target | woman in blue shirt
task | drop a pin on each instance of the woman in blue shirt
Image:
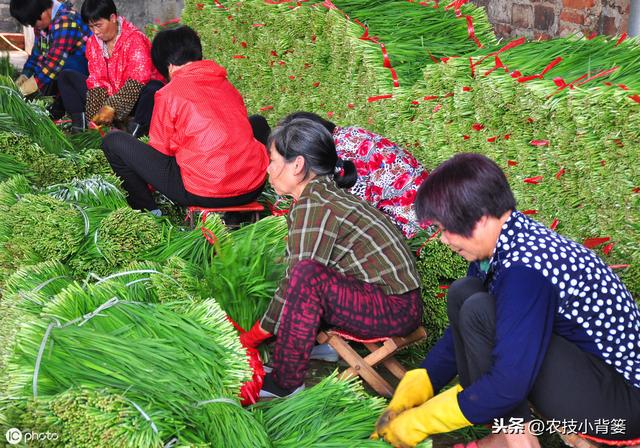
(540, 320)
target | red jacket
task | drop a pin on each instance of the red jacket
(130, 59)
(201, 119)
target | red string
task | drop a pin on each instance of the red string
(471, 31)
(209, 236)
(540, 75)
(372, 99)
(275, 211)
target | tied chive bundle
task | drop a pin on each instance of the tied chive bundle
(247, 268)
(414, 34)
(197, 246)
(44, 168)
(330, 414)
(167, 362)
(39, 227)
(95, 191)
(31, 119)
(115, 240)
(85, 418)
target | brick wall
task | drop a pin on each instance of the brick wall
(543, 19)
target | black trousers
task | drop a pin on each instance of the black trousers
(140, 165)
(73, 90)
(571, 385)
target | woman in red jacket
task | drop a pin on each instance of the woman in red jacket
(202, 150)
(122, 78)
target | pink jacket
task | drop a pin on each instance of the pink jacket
(130, 59)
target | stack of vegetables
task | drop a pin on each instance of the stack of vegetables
(560, 116)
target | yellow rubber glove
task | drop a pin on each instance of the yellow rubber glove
(104, 116)
(414, 389)
(20, 80)
(440, 414)
(28, 86)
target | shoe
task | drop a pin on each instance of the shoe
(271, 390)
(79, 123)
(324, 352)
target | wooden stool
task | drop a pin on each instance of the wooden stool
(364, 367)
(254, 207)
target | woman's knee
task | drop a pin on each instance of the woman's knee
(113, 141)
(307, 270)
(460, 291)
(477, 314)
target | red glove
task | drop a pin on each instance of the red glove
(254, 337)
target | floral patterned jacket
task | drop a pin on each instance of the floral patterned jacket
(388, 176)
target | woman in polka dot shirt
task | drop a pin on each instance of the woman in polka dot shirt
(540, 320)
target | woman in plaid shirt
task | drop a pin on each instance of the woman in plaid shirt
(348, 265)
(60, 43)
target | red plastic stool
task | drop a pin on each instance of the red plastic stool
(364, 367)
(585, 440)
(254, 207)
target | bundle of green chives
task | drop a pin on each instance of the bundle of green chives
(10, 167)
(39, 227)
(247, 267)
(316, 65)
(95, 191)
(178, 280)
(414, 34)
(119, 238)
(158, 358)
(45, 168)
(85, 418)
(12, 189)
(24, 294)
(32, 286)
(197, 246)
(31, 119)
(331, 413)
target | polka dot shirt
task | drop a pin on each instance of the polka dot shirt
(589, 293)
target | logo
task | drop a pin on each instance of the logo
(14, 436)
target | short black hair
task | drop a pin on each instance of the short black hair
(176, 46)
(93, 10)
(462, 190)
(28, 12)
(310, 116)
(312, 141)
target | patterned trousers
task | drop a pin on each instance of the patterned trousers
(317, 295)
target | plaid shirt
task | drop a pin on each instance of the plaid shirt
(65, 37)
(333, 227)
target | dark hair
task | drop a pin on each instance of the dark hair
(312, 141)
(310, 116)
(462, 190)
(93, 10)
(176, 46)
(28, 12)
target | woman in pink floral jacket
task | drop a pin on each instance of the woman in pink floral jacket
(122, 79)
(388, 176)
